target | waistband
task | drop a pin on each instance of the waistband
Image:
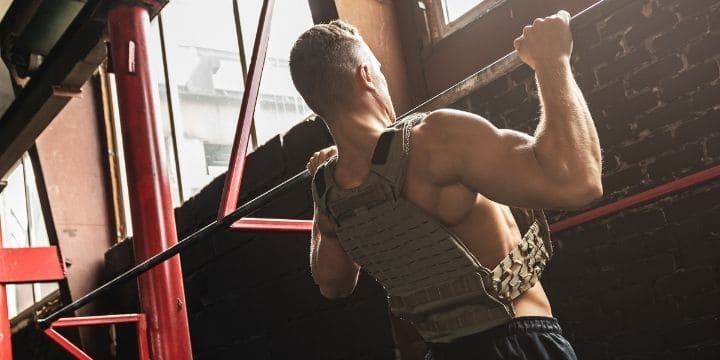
(517, 326)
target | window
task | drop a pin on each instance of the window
(279, 105)
(453, 9)
(200, 82)
(23, 225)
(447, 16)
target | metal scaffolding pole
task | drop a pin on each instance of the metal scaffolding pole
(161, 291)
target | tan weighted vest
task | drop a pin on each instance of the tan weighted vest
(431, 278)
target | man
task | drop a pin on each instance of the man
(422, 204)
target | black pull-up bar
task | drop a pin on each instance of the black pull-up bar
(483, 77)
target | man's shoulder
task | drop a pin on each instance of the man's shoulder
(434, 126)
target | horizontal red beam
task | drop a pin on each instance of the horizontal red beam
(22, 265)
(272, 224)
(98, 320)
(637, 199)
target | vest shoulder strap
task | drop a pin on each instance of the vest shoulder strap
(389, 160)
(321, 184)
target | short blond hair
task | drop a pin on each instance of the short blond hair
(322, 64)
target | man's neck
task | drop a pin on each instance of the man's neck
(356, 137)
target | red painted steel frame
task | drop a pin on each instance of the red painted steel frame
(638, 199)
(272, 224)
(139, 319)
(161, 292)
(5, 335)
(22, 265)
(233, 178)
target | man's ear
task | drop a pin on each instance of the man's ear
(364, 78)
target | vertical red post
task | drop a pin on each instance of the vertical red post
(5, 335)
(162, 296)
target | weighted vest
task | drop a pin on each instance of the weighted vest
(431, 278)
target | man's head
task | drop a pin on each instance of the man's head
(336, 72)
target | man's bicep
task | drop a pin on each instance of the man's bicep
(497, 163)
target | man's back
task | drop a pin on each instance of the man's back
(487, 228)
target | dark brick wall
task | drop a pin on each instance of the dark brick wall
(643, 284)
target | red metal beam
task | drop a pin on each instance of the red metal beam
(64, 343)
(272, 224)
(75, 351)
(637, 199)
(161, 292)
(233, 178)
(98, 320)
(5, 334)
(22, 265)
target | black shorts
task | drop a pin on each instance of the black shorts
(530, 337)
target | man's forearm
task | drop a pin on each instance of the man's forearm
(566, 140)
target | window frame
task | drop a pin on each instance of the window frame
(439, 29)
(172, 104)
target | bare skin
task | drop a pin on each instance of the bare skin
(462, 170)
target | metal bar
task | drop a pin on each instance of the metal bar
(638, 199)
(161, 291)
(23, 265)
(5, 332)
(143, 347)
(112, 155)
(217, 225)
(243, 62)
(504, 65)
(71, 348)
(97, 320)
(171, 102)
(272, 224)
(233, 178)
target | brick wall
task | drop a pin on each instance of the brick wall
(643, 284)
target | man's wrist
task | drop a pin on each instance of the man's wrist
(552, 66)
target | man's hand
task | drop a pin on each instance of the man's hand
(547, 41)
(319, 157)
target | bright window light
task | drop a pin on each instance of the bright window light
(454, 9)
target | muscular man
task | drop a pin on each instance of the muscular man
(423, 204)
